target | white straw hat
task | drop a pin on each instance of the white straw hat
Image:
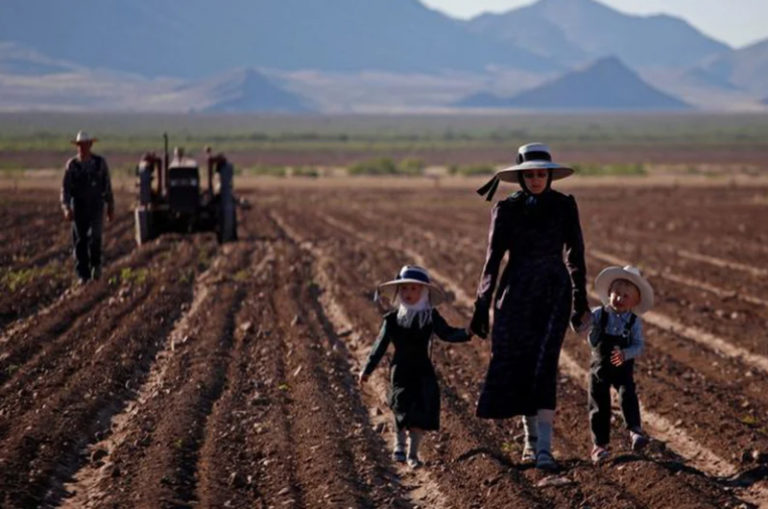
(632, 274)
(411, 274)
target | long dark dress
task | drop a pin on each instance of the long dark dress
(414, 395)
(544, 275)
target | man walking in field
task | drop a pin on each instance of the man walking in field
(85, 189)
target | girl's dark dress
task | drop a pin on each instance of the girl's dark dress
(544, 275)
(414, 396)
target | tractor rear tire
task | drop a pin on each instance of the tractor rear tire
(227, 231)
(143, 220)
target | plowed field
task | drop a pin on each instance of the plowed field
(198, 375)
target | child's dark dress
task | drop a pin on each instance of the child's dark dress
(414, 396)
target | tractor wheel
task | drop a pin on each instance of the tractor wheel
(143, 220)
(227, 227)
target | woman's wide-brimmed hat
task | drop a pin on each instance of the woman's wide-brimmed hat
(532, 156)
(411, 274)
(82, 137)
(632, 274)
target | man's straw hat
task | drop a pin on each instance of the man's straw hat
(83, 137)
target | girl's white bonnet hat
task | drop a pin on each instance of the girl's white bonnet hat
(411, 274)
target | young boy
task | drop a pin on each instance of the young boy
(616, 339)
(414, 396)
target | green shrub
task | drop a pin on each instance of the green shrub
(619, 169)
(266, 170)
(471, 170)
(379, 166)
(411, 166)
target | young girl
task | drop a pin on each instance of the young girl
(414, 396)
(542, 286)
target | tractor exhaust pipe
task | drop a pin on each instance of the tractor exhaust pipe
(164, 169)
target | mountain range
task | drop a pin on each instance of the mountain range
(348, 55)
(606, 84)
(573, 32)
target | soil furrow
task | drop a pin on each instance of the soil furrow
(228, 464)
(45, 336)
(363, 448)
(43, 448)
(91, 481)
(157, 460)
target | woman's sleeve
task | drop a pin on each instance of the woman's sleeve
(495, 253)
(574, 244)
(446, 332)
(378, 349)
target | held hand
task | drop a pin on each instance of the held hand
(362, 379)
(580, 324)
(617, 357)
(469, 332)
(67, 214)
(110, 214)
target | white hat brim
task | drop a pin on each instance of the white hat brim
(559, 171)
(608, 275)
(389, 290)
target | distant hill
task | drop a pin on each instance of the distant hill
(607, 84)
(197, 38)
(746, 68)
(575, 31)
(250, 91)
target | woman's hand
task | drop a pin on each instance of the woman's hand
(580, 324)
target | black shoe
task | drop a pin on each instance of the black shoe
(96, 272)
(399, 456)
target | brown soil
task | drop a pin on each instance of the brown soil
(198, 375)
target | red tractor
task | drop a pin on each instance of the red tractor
(177, 204)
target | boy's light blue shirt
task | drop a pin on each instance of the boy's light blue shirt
(617, 323)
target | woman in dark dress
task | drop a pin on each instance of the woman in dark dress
(414, 395)
(541, 289)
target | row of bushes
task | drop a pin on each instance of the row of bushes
(383, 166)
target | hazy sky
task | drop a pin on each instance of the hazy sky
(735, 22)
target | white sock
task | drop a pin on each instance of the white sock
(530, 426)
(400, 440)
(413, 449)
(544, 438)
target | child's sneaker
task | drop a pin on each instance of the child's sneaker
(414, 462)
(639, 440)
(529, 453)
(599, 454)
(545, 461)
(399, 455)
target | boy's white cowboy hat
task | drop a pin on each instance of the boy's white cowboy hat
(632, 274)
(83, 137)
(411, 274)
(532, 156)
